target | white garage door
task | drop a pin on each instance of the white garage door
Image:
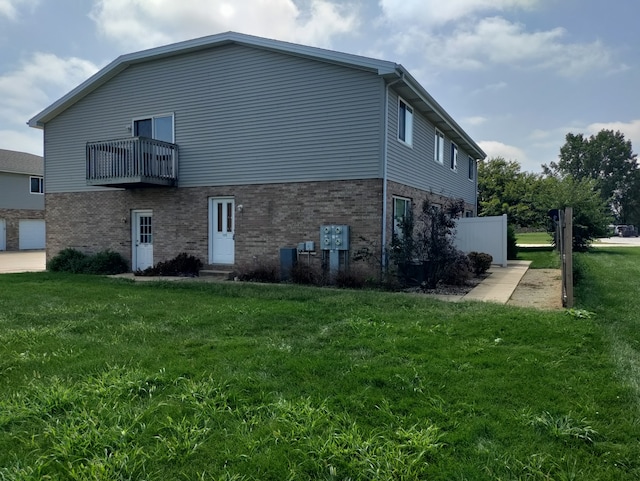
(31, 234)
(3, 235)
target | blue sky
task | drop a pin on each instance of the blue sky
(517, 75)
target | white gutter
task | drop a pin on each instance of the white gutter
(384, 171)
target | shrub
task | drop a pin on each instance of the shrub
(306, 274)
(106, 263)
(459, 270)
(73, 261)
(350, 279)
(68, 260)
(183, 265)
(480, 262)
(264, 272)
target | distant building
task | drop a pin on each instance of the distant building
(22, 224)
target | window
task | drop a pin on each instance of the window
(159, 127)
(401, 211)
(36, 185)
(405, 122)
(472, 168)
(454, 157)
(438, 151)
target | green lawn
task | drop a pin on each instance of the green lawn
(107, 379)
(533, 238)
(540, 257)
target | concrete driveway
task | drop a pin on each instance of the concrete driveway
(22, 261)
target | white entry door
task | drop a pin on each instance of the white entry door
(142, 239)
(221, 230)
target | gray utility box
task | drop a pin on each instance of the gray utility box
(288, 260)
(334, 237)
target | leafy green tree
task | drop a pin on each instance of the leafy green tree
(608, 159)
(504, 189)
(590, 211)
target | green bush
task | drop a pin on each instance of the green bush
(306, 274)
(459, 270)
(480, 262)
(106, 263)
(264, 272)
(68, 260)
(76, 262)
(182, 265)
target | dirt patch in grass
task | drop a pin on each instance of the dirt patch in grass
(539, 288)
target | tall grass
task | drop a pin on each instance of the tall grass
(107, 379)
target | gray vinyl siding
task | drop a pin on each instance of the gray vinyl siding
(242, 116)
(15, 193)
(415, 166)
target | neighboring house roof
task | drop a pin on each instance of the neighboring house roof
(21, 163)
(394, 73)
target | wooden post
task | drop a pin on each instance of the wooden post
(567, 257)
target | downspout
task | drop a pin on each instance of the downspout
(385, 159)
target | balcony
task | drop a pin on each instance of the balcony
(131, 163)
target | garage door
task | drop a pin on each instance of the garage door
(31, 234)
(3, 235)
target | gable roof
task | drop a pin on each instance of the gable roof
(392, 72)
(21, 163)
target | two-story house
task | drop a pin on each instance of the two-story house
(231, 146)
(22, 224)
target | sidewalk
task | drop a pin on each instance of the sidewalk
(500, 284)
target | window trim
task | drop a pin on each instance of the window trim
(438, 147)
(152, 118)
(453, 162)
(40, 184)
(407, 123)
(472, 169)
(408, 203)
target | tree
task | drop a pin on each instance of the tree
(590, 216)
(504, 189)
(608, 159)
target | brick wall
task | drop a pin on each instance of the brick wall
(12, 220)
(417, 197)
(272, 216)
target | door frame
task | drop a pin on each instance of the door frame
(135, 226)
(212, 224)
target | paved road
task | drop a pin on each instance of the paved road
(618, 241)
(23, 261)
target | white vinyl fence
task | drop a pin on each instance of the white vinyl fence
(483, 234)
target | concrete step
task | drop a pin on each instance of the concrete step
(222, 274)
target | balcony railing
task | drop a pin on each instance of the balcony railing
(132, 162)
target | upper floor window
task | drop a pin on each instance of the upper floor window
(158, 127)
(36, 185)
(438, 151)
(454, 157)
(472, 168)
(401, 212)
(405, 122)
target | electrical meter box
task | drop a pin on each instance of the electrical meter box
(334, 237)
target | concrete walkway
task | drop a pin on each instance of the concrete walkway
(500, 284)
(22, 261)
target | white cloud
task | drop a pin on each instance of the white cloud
(39, 81)
(631, 130)
(476, 120)
(497, 149)
(145, 23)
(29, 140)
(496, 41)
(437, 12)
(9, 8)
